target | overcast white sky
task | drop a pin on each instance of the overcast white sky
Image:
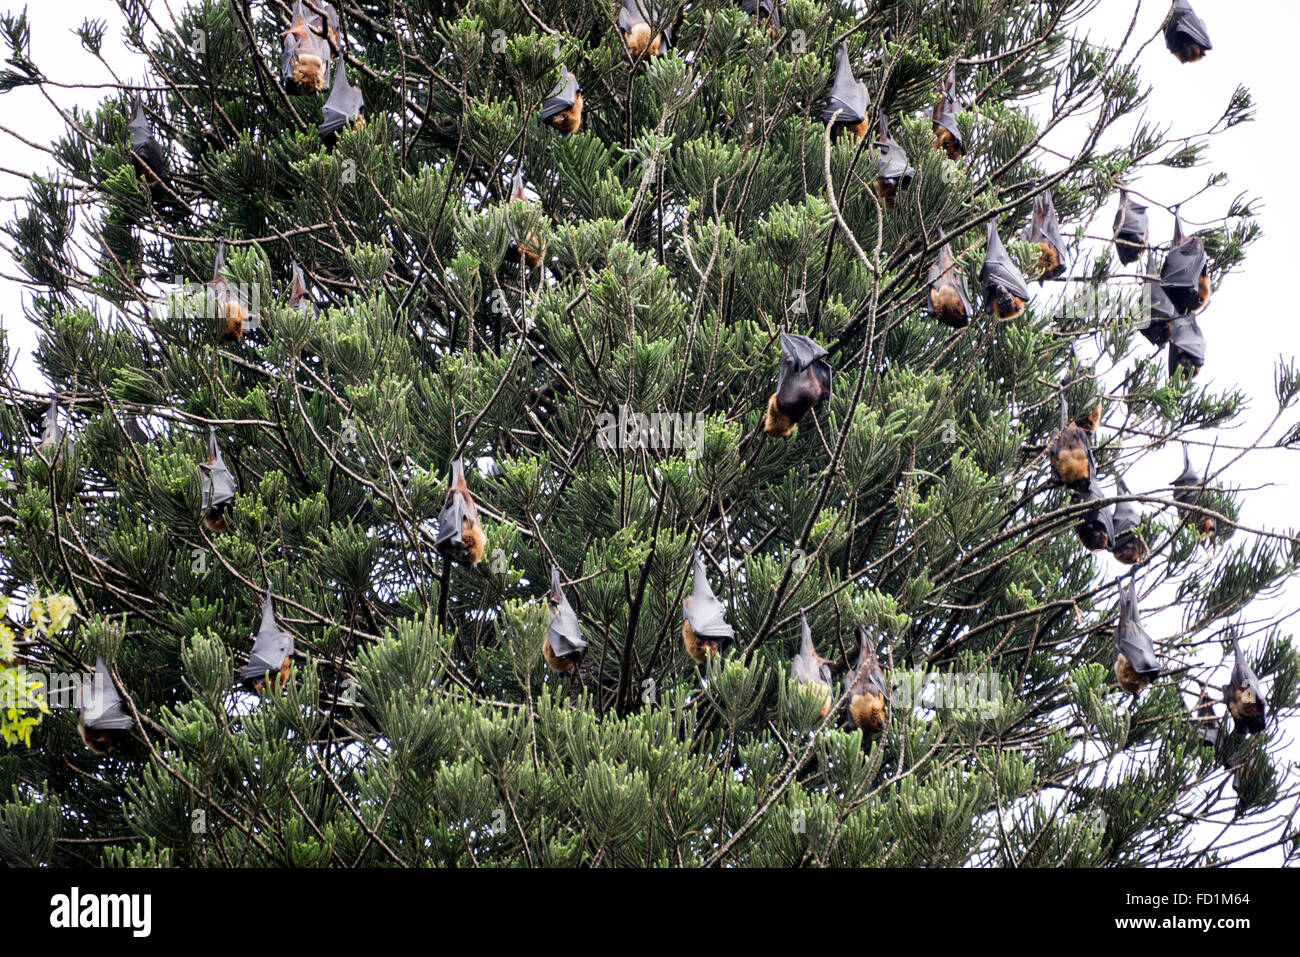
(1253, 45)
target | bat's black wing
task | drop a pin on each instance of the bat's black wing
(1157, 308)
(1186, 344)
(143, 142)
(563, 96)
(867, 676)
(564, 634)
(944, 273)
(1100, 519)
(342, 107)
(1183, 269)
(1045, 228)
(805, 666)
(1243, 678)
(848, 97)
(948, 108)
(271, 645)
(1126, 514)
(1188, 485)
(702, 609)
(219, 486)
(805, 377)
(769, 10)
(1185, 26)
(451, 522)
(100, 706)
(299, 298)
(998, 270)
(51, 431)
(894, 166)
(1131, 228)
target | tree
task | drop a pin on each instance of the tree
(608, 402)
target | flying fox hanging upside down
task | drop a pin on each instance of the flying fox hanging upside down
(868, 703)
(460, 535)
(811, 669)
(705, 631)
(1071, 450)
(1004, 289)
(947, 135)
(804, 383)
(1136, 665)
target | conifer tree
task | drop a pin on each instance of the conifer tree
(589, 311)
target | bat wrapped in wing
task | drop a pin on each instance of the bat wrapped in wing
(848, 101)
(51, 430)
(562, 109)
(705, 630)
(1001, 283)
(1136, 665)
(635, 24)
(1070, 453)
(342, 108)
(309, 44)
(1126, 546)
(894, 173)
(1185, 33)
(272, 652)
(1045, 231)
(1185, 277)
(1157, 308)
(218, 486)
(947, 134)
(1244, 696)
(1187, 491)
(563, 647)
(101, 719)
(949, 299)
(868, 703)
(1186, 346)
(768, 11)
(146, 153)
(1096, 530)
(1209, 727)
(1132, 229)
(809, 668)
(228, 303)
(804, 383)
(527, 250)
(299, 298)
(460, 536)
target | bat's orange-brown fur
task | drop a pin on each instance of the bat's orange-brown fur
(473, 541)
(309, 73)
(868, 711)
(555, 661)
(888, 193)
(698, 648)
(1128, 679)
(1130, 553)
(1069, 454)
(944, 140)
(100, 742)
(1048, 260)
(526, 251)
(1206, 525)
(233, 317)
(639, 41)
(1242, 704)
(858, 129)
(776, 423)
(214, 520)
(947, 306)
(260, 684)
(570, 120)
(1202, 293)
(1093, 539)
(1006, 306)
(1189, 52)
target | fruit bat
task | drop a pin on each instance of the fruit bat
(1159, 310)
(562, 109)
(146, 153)
(218, 486)
(634, 24)
(1096, 530)
(563, 646)
(1135, 655)
(526, 251)
(342, 107)
(1185, 277)
(460, 536)
(226, 302)
(894, 172)
(51, 431)
(949, 300)
(804, 383)
(1003, 287)
(1187, 491)
(947, 135)
(769, 10)
(1045, 231)
(1131, 229)
(272, 651)
(299, 298)
(809, 668)
(308, 44)
(1244, 696)
(704, 625)
(1071, 451)
(101, 719)
(1185, 34)
(1209, 728)
(1186, 346)
(1125, 546)
(868, 701)
(847, 103)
